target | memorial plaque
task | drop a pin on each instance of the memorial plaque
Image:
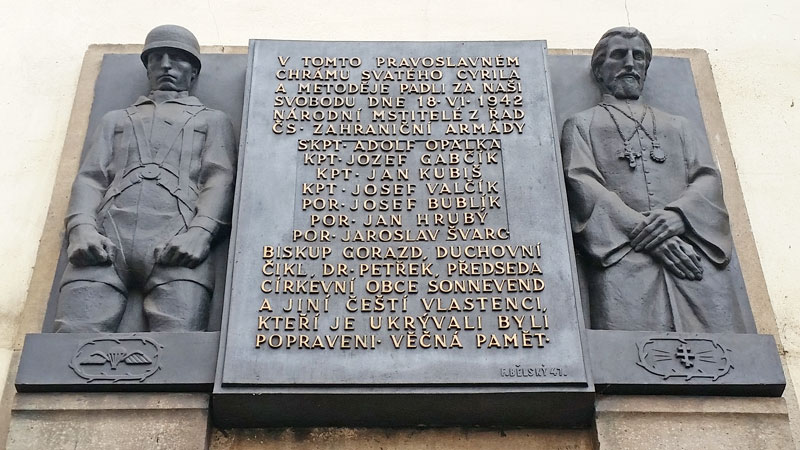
(400, 227)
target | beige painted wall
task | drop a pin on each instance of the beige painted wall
(754, 48)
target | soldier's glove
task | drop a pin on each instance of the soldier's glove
(87, 247)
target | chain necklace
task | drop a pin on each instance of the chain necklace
(656, 153)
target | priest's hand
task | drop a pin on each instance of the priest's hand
(679, 257)
(657, 226)
(187, 249)
(87, 247)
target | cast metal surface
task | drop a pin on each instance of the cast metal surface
(646, 206)
(315, 170)
(398, 387)
(629, 289)
(154, 190)
(122, 362)
(184, 361)
(641, 362)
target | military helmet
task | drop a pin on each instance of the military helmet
(172, 36)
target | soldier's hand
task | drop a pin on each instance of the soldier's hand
(187, 249)
(87, 247)
(679, 257)
(657, 227)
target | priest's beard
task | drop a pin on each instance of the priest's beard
(626, 88)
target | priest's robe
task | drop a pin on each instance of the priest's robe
(631, 290)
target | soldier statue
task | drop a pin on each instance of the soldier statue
(153, 191)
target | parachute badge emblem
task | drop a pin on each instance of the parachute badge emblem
(117, 359)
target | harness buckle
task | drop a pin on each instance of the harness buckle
(150, 171)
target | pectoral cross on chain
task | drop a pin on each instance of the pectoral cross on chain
(628, 153)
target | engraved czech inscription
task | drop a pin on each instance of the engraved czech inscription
(401, 219)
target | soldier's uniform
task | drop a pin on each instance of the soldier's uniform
(152, 171)
(146, 178)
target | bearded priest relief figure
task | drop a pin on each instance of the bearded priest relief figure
(646, 205)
